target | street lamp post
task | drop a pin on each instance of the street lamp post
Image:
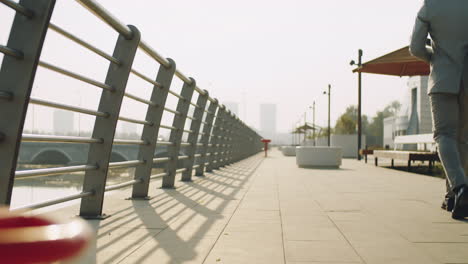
(305, 127)
(359, 64)
(329, 93)
(313, 122)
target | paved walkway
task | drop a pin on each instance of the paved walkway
(270, 211)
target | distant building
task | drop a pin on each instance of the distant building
(268, 120)
(414, 116)
(233, 107)
(63, 122)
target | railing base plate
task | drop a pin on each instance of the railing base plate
(95, 217)
(146, 198)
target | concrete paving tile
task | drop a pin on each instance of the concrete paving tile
(247, 248)
(307, 221)
(294, 232)
(446, 252)
(192, 225)
(319, 262)
(324, 251)
(393, 252)
(171, 251)
(258, 227)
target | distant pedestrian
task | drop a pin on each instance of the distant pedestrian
(447, 24)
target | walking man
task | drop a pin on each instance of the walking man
(447, 24)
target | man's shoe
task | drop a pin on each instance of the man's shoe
(460, 209)
(448, 203)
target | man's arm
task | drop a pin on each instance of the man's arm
(418, 39)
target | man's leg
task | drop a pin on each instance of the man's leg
(446, 117)
(463, 131)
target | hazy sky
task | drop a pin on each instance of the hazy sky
(248, 51)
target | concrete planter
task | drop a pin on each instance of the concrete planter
(289, 151)
(307, 157)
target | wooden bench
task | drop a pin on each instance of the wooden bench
(429, 154)
(365, 153)
(408, 156)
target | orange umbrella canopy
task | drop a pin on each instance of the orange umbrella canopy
(396, 63)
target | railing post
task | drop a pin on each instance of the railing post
(243, 146)
(150, 133)
(193, 138)
(176, 135)
(223, 133)
(16, 81)
(228, 140)
(237, 141)
(215, 139)
(207, 128)
(104, 127)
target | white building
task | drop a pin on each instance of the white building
(63, 122)
(414, 116)
(268, 120)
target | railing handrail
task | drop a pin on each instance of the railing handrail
(227, 141)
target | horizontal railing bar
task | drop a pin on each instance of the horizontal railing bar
(182, 76)
(135, 121)
(197, 155)
(53, 171)
(212, 100)
(183, 157)
(192, 118)
(129, 142)
(177, 95)
(75, 76)
(155, 55)
(195, 105)
(168, 127)
(125, 164)
(181, 170)
(200, 91)
(211, 113)
(203, 122)
(160, 175)
(54, 201)
(161, 160)
(196, 166)
(121, 185)
(188, 131)
(6, 95)
(67, 107)
(164, 143)
(58, 139)
(172, 111)
(139, 99)
(200, 144)
(185, 144)
(107, 17)
(145, 78)
(83, 43)
(18, 8)
(11, 52)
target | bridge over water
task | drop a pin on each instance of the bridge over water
(75, 153)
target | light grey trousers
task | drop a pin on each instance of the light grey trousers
(450, 126)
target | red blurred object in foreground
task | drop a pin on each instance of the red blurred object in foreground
(266, 141)
(39, 239)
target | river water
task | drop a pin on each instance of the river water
(36, 190)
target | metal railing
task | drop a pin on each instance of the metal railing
(224, 138)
